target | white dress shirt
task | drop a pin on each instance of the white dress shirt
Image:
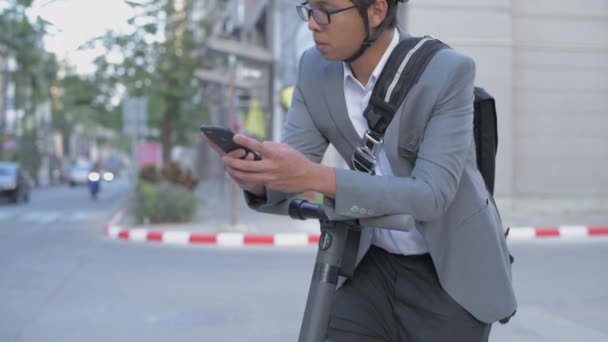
(357, 97)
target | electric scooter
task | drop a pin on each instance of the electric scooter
(336, 256)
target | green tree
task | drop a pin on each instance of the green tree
(157, 60)
(80, 99)
(83, 98)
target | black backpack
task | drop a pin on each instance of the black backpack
(402, 71)
(485, 131)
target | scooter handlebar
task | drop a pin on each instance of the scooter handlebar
(300, 209)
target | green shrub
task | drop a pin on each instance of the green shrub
(163, 203)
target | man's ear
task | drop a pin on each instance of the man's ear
(376, 12)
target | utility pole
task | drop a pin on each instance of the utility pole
(277, 111)
(3, 98)
(135, 118)
(231, 124)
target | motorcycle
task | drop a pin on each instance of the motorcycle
(94, 184)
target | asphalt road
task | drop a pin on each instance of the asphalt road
(61, 280)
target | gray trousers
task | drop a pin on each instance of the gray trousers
(398, 298)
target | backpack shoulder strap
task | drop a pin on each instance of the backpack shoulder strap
(401, 72)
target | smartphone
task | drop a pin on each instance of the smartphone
(222, 137)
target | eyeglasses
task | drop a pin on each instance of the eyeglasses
(321, 16)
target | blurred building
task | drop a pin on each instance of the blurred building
(238, 70)
(241, 50)
(7, 100)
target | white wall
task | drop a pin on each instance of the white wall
(546, 63)
(561, 96)
(481, 29)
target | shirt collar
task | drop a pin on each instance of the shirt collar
(376, 73)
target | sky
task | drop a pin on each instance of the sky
(77, 21)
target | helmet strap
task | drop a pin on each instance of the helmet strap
(370, 37)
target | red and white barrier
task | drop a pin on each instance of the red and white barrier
(219, 239)
(177, 237)
(564, 232)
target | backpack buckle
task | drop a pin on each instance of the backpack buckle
(364, 157)
(371, 141)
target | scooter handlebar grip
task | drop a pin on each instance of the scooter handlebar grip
(300, 209)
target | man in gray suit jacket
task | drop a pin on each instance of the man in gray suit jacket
(445, 274)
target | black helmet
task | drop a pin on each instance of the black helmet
(371, 37)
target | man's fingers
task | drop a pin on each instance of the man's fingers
(249, 156)
(251, 143)
(245, 177)
(239, 153)
(247, 164)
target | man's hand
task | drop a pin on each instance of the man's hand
(282, 168)
(240, 154)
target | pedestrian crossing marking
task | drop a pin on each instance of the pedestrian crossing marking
(46, 217)
(5, 215)
(41, 217)
(82, 216)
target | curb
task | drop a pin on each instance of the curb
(217, 239)
(177, 237)
(562, 233)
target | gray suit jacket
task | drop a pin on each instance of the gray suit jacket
(436, 184)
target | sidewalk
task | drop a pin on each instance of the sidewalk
(214, 215)
(551, 211)
(529, 217)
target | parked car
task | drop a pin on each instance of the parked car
(79, 174)
(14, 183)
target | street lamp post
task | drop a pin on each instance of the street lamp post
(3, 84)
(231, 124)
(277, 117)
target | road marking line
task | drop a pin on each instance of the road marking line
(547, 232)
(181, 238)
(138, 234)
(113, 231)
(154, 236)
(598, 231)
(43, 217)
(259, 239)
(4, 216)
(82, 216)
(291, 240)
(523, 233)
(233, 239)
(116, 217)
(123, 234)
(200, 238)
(573, 231)
(230, 239)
